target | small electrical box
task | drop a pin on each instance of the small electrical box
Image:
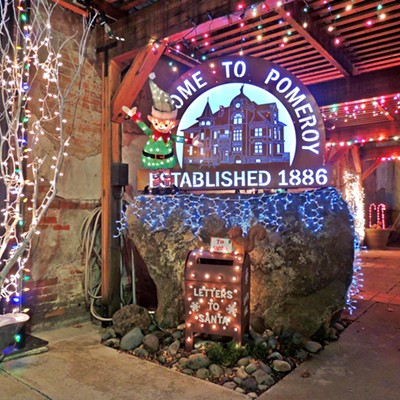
(119, 174)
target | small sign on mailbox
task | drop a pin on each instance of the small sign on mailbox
(217, 295)
(221, 245)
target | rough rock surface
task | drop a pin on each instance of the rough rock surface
(300, 272)
(128, 317)
(132, 339)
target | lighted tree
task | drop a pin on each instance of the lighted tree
(34, 106)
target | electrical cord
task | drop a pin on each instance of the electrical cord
(89, 235)
(90, 240)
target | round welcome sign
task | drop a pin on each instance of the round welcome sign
(259, 126)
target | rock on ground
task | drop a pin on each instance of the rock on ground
(300, 272)
(132, 339)
(129, 317)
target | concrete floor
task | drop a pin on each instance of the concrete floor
(363, 365)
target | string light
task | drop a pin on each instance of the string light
(351, 142)
(353, 193)
(22, 168)
(380, 215)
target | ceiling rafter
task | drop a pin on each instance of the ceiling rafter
(323, 45)
(363, 13)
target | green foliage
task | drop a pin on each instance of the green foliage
(260, 351)
(226, 354)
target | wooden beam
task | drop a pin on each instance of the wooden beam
(130, 4)
(318, 38)
(371, 169)
(366, 86)
(134, 80)
(371, 152)
(335, 157)
(111, 205)
(109, 10)
(355, 152)
(75, 9)
(183, 59)
(172, 20)
(366, 132)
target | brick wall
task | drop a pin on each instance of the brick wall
(56, 294)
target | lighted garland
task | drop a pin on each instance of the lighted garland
(266, 209)
(353, 193)
(33, 56)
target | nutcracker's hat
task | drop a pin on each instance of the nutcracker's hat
(163, 106)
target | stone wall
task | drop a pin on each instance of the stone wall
(300, 273)
(56, 293)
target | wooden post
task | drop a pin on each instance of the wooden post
(116, 94)
(111, 201)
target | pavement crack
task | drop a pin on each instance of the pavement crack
(25, 384)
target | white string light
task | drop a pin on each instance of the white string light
(31, 57)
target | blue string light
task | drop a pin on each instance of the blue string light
(272, 211)
(242, 210)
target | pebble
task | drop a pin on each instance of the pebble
(112, 342)
(215, 370)
(298, 339)
(245, 361)
(182, 361)
(140, 352)
(201, 344)
(240, 390)
(313, 347)
(332, 334)
(301, 354)
(203, 373)
(177, 335)
(188, 371)
(266, 368)
(197, 361)
(262, 378)
(151, 342)
(241, 373)
(168, 340)
(252, 395)
(238, 381)
(281, 366)
(180, 327)
(250, 384)
(174, 347)
(132, 339)
(338, 326)
(275, 356)
(108, 334)
(162, 359)
(230, 385)
(251, 368)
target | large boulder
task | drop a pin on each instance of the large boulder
(300, 273)
(129, 317)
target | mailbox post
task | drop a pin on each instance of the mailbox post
(217, 295)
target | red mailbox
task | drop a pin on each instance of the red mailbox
(217, 295)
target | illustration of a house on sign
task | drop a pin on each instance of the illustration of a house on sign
(242, 133)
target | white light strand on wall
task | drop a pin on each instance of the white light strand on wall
(33, 139)
(353, 193)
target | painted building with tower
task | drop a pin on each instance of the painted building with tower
(242, 133)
